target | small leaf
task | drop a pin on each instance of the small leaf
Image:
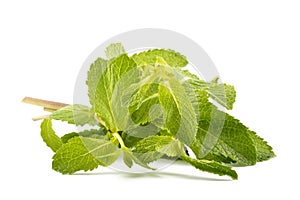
(49, 136)
(129, 157)
(114, 50)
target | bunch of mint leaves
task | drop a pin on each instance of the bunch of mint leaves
(148, 106)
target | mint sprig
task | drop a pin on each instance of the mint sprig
(147, 107)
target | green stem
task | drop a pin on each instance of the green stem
(120, 140)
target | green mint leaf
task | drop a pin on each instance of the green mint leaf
(129, 158)
(82, 153)
(65, 138)
(49, 136)
(75, 114)
(223, 94)
(93, 133)
(232, 142)
(154, 147)
(105, 87)
(210, 166)
(173, 58)
(142, 101)
(95, 72)
(114, 50)
(263, 150)
(181, 119)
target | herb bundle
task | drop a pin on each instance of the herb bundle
(148, 106)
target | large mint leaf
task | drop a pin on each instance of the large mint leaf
(174, 59)
(181, 118)
(81, 153)
(221, 137)
(75, 114)
(210, 166)
(49, 136)
(103, 97)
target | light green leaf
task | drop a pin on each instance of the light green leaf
(75, 114)
(82, 153)
(181, 119)
(221, 137)
(211, 166)
(95, 72)
(129, 158)
(223, 94)
(174, 59)
(154, 147)
(93, 133)
(105, 87)
(49, 136)
(263, 150)
(114, 50)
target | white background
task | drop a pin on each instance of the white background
(254, 44)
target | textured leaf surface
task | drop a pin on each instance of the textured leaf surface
(95, 72)
(49, 136)
(211, 166)
(82, 153)
(129, 157)
(223, 94)
(93, 133)
(174, 59)
(114, 50)
(103, 96)
(154, 147)
(263, 150)
(221, 137)
(75, 114)
(181, 120)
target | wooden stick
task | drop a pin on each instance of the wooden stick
(48, 105)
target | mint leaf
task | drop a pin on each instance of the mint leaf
(180, 115)
(93, 133)
(263, 150)
(114, 50)
(129, 158)
(174, 59)
(211, 166)
(154, 147)
(223, 94)
(82, 153)
(49, 136)
(75, 114)
(95, 72)
(232, 142)
(105, 87)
